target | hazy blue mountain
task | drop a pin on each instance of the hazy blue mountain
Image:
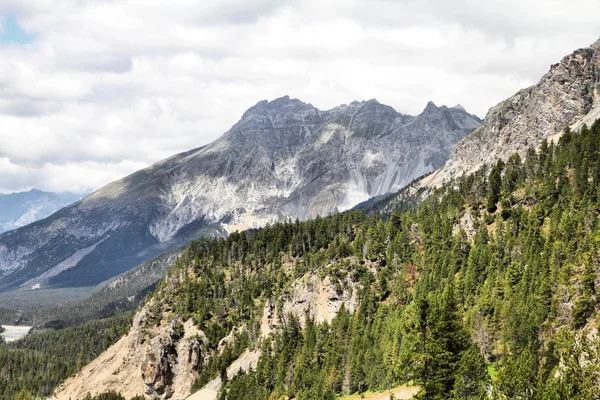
(20, 209)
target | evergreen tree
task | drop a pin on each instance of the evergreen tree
(472, 379)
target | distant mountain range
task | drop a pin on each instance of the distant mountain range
(20, 209)
(284, 159)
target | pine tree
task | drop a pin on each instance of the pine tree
(471, 376)
(586, 304)
(495, 186)
(517, 380)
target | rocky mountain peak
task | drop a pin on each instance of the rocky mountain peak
(283, 159)
(567, 96)
(371, 102)
(373, 106)
(286, 101)
(280, 105)
(430, 107)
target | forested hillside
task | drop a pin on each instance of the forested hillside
(487, 287)
(33, 366)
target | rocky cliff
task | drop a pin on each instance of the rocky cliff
(567, 96)
(156, 360)
(161, 359)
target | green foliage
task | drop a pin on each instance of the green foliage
(471, 374)
(500, 267)
(110, 396)
(33, 366)
(517, 380)
(495, 184)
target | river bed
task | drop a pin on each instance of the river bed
(12, 332)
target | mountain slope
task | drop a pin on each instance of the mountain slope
(567, 96)
(121, 294)
(283, 159)
(496, 272)
(20, 209)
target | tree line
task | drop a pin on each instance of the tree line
(486, 288)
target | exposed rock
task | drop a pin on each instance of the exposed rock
(465, 223)
(267, 321)
(230, 339)
(159, 362)
(248, 359)
(567, 96)
(283, 159)
(320, 297)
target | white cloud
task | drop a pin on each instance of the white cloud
(110, 86)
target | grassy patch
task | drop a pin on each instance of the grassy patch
(400, 392)
(493, 371)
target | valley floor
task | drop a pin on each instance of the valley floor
(12, 333)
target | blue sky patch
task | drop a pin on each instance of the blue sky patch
(11, 32)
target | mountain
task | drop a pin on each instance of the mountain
(283, 159)
(20, 209)
(488, 288)
(121, 294)
(567, 96)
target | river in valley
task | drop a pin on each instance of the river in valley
(12, 332)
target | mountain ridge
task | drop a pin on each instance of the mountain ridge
(568, 95)
(503, 259)
(283, 159)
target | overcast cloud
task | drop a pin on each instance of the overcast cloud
(101, 88)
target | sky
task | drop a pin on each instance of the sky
(92, 90)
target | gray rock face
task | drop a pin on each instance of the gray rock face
(283, 159)
(567, 96)
(173, 355)
(20, 209)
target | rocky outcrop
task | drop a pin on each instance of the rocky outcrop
(172, 359)
(567, 96)
(283, 159)
(465, 223)
(159, 362)
(320, 297)
(230, 339)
